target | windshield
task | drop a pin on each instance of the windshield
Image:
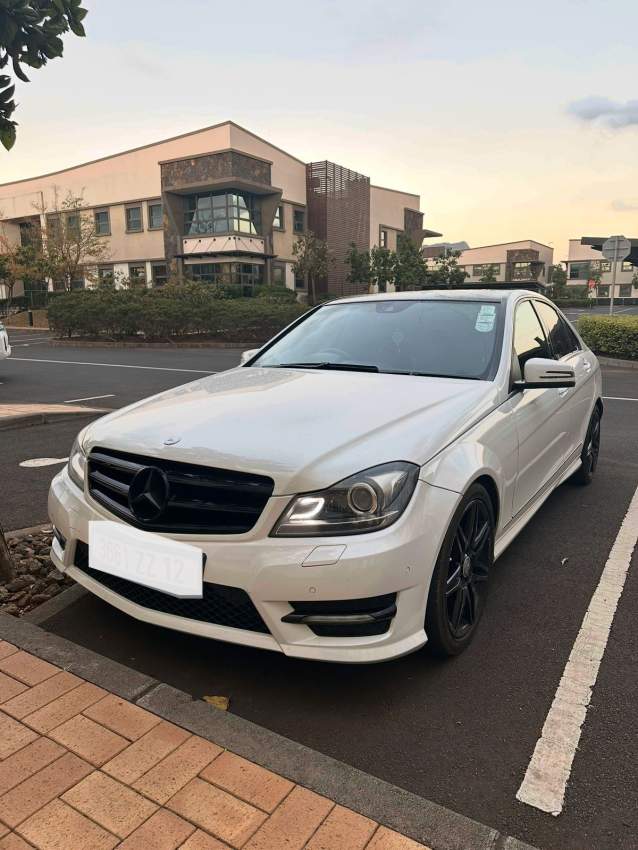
(443, 338)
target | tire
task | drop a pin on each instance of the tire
(459, 586)
(589, 455)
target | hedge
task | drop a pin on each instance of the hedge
(616, 336)
(173, 311)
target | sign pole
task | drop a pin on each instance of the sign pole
(613, 278)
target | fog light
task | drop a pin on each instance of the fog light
(362, 498)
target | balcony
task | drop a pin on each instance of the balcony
(231, 243)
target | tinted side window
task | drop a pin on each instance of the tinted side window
(529, 336)
(560, 336)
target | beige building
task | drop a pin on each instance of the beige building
(586, 265)
(218, 205)
(518, 263)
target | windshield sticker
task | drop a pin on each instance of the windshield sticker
(486, 318)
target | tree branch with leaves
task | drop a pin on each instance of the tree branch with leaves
(30, 35)
(312, 261)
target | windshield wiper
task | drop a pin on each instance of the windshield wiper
(429, 374)
(342, 367)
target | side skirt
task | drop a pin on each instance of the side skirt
(517, 523)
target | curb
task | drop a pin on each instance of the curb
(20, 533)
(615, 361)
(10, 423)
(86, 343)
(431, 824)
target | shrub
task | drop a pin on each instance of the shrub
(616, 336)
(172, 311)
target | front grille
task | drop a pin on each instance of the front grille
(221, 605)
(201, 500)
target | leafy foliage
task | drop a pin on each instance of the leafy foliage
(360, 268)
(30, 34)
(616, 336)
(382, 266)
(312, 260)
(168, 312)
(410, 269)
(447, 271)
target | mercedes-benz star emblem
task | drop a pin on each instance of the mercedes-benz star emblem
(148, 494)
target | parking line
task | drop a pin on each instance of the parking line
(89, 398)
(550, 767)
(113, 365)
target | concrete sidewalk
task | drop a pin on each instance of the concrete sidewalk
(84, 769)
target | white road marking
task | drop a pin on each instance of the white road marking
(28, 344)
(618, 398)
(549, 770)
(37, 462)
(113, 365)
(90, 398)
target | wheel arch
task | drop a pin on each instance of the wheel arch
(491, 487)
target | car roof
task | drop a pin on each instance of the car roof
(495, 295)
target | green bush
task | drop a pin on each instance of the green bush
(616, 336)
(172, 311)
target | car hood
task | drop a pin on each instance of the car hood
(305, 429)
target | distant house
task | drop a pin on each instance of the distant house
(586, 263)
(519, 263)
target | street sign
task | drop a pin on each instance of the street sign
(616, 248)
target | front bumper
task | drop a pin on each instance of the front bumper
(396, 561)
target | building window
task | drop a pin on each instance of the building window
(137, 274)
(300, 282)
(299, 221)
(580, 271)
(105, 276)
(155, 221)
(278, 222)
(133, 219)
(245, 276)
(522, 271)
(383, 238)
(222, 212)
(159, 274)
(485, 269)
(78, 283)
(624, 290)
(102, 223)
(278, 274)
(603, 291)
(599, 266)
(627, 266)
(73, 226)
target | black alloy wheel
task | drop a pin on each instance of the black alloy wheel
(590, 452)
(459, 584)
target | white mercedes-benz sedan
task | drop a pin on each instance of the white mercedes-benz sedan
(343, 493)
(5, 347)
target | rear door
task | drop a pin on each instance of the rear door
(579, 399)
(541, 428)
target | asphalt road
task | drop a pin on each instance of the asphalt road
(460, 732)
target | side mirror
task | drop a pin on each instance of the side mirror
(542, 372)
(247, 355)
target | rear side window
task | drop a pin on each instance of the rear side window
(529, 336)
(560, 335)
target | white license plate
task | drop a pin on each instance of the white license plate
(148, 559)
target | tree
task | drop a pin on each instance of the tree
(30, 34)
(359, 262)
(382, 267)
(6, 561)
(19, 263)
(312, 260)
(410, 269)
(71, 249)
(447, 271)
(488, 276)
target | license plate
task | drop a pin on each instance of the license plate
(148, 559)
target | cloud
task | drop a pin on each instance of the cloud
(624, 206)
(605, 111)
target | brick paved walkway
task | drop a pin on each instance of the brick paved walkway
(82, 769)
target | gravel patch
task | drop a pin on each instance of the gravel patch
(36, 579)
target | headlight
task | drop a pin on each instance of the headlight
(367, 501)
(77, 462)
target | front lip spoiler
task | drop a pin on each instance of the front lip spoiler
(341, 619)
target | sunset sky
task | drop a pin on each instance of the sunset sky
(511, 120)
